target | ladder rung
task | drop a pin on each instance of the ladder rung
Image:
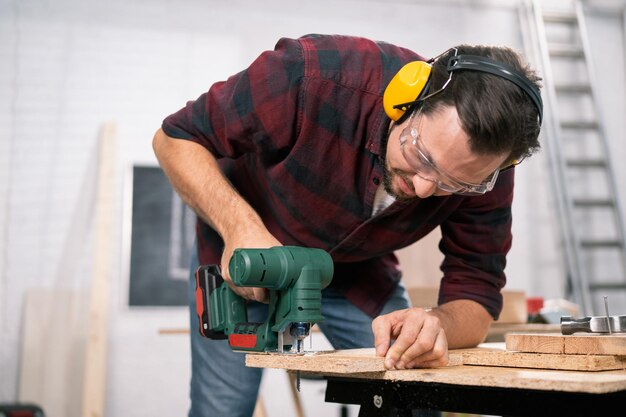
(586, 163)
(608, 286)
(573, 88)
(566, 51)
(559, 16)
(574, 124)
(593, 203)
(608, 243)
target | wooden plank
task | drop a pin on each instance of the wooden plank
(578, 344)
(497, 331)
(96, 352)
(52, 351)
(259, 408)
(362, 363)
(489, 354)
(499, 357)
(350, 361)
(514, 307)
(340, 361)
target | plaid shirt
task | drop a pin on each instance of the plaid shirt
(299, 134)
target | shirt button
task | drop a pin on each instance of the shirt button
(376, 181)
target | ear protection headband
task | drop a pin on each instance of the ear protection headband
(410, 85)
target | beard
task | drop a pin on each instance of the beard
(389, 174)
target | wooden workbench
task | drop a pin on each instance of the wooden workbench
(357, 377)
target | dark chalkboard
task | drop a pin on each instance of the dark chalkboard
(162, 237)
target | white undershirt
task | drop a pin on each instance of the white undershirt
(382, 200)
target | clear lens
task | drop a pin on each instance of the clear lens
(469, 189)
(415, 156)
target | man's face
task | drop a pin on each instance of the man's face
(442, 141)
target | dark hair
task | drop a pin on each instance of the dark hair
(497, 115)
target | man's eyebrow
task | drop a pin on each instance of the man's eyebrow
(441, 171)
(423, 149)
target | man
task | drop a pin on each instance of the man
(299, 149)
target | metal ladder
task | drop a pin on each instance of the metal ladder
(582, 178)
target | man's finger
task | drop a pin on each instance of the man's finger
(252, 293)
(425, 342)
(261, 295)
(381, 327)
(243, 292)
(437, 357)
(411, 328)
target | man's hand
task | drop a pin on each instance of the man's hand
(420, 340)
(196, 176)
(259, 240)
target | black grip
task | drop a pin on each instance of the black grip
(208, 279)
(570, 325)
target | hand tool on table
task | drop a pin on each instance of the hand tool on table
(593, 324)
(599, 324)
(294, 276)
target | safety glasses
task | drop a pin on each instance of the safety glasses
(415, 154)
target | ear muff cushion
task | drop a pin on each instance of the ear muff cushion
(405, 86)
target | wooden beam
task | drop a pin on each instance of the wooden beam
(96, 352)
(576, 344)
(499, 357)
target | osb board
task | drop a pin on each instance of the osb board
(348, 361)
(577, 344)
(362, 363)
(489, 354)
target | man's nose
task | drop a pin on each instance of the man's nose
(423, 187)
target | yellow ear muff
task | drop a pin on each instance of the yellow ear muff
(405, 87)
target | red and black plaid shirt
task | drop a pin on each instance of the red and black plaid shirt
(298, 133)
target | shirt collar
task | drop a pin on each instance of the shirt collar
(379, 131)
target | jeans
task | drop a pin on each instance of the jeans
(221, 384)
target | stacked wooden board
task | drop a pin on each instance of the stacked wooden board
(576, 344)
(538, 351)
(490, 365)
(578, 352)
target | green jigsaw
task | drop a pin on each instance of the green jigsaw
(294, 276)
